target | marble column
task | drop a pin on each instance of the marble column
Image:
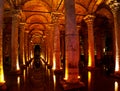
(71, 43)
(22, 55)
(14, 41)
(56, 43)
(89, 19)
(48, 43)
(62, 48)
(2, 81)
(51, 43)
(26, 45)
(115, 8)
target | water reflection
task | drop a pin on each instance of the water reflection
(89, 81)
(18, 82)
(54, 81)
(116, 86)
(24, 75)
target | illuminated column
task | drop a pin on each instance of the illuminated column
(14, 41)
(26, 45)
(56, 47)
(89, 20)
(48, 43)
(51, 43)
(62, 47)
(71, 43)
(22, 56)
(115, 7)
(85, 46)
(2, 81)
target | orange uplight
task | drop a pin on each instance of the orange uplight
(54, 62)
(66, 71)
(23, 60)
(17, 65)
(116, 86)
(89, 60)
(1, 75)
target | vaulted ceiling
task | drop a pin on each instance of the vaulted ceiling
(37, 14)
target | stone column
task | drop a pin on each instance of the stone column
(14, 41)
(48, 43)
(51, 44)
(62, 48)
(56, 43)
(89, 20)
(115, 7)
(71, 43)
(26, 46)
(2, 81)
(22, 55)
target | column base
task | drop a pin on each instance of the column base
(116, 74)
(3, 87)
(91, 68)
(58, 71)
(23, 66)
(16, 72)
(49, 66)
(71, 85)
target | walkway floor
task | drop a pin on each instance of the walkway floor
(44, 80)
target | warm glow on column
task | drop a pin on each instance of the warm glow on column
(89, 59)
(31, 54)
(66, 71)
(116, 86)
(17, 65)
(24, 75)
(54, 62)
(23, 59)
(1, 75)
(117, 59)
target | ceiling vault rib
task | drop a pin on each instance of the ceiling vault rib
(35, 11)
(59, 5)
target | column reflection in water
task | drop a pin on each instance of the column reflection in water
(116, 86)
(24, 75)
(18, 82)
(89, 81)
(54, 80)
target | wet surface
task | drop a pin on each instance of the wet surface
(43, 79)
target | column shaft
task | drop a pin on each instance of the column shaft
(22, 56)
(1, 44)
(114, 5)
(57, 46)
(26, 46)
(89, 20)
(14, 42)
(71, 43)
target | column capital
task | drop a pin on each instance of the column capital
(114, 5)
(89, 18)
(22, 23)
(55, 16)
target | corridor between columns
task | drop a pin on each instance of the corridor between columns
(43, 79)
